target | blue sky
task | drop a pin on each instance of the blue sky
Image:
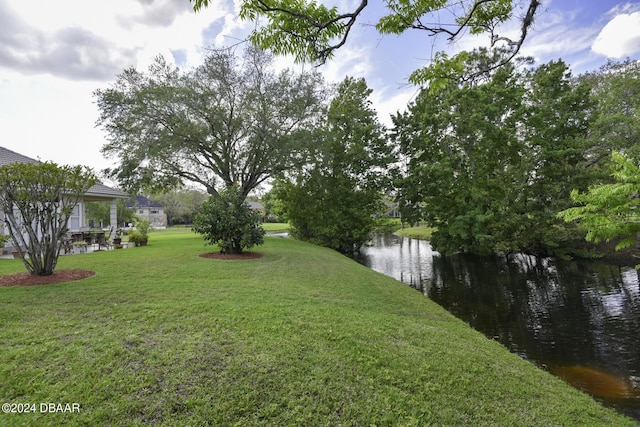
(54, 54)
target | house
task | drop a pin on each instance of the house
(258, 207)
(149, 210)
(78, 220)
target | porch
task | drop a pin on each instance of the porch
(80, 243)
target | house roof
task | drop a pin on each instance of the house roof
(101, 190)
(98, 191)
(255, 205)
(143, 202)
(8, 157)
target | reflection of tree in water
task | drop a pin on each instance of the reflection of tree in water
(551, 312)
(574, 318)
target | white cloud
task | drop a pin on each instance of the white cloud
(82, 40)
(389, 102)
(620, 37)
(51, 119)
(53, 55)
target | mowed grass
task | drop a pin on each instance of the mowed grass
(301, 336)
(418, 232)
(275, 227)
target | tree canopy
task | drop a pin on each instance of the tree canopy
(610, 211)
(311, 31)
(231, 121)
(333, 199)
(615, 89)
(490, 163)
(181, 205)
(37, 201)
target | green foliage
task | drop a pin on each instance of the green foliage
(98, 212)
(37, 201)
(140, 236)
(608, 208)
(288, 22)
(610, 211)
(491, 162)
(227, 220)
(274, 210)
(441, 72)
(125, 214)
(230, 121)
(329, 212)
(143, 227)
(136, 237)
(181, 205)
(4, 238)
(615, 88)
(332, 202)
(310, 31)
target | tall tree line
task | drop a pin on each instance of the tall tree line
(491, 163)
(489, 160)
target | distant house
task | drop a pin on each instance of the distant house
(78, 220)
(258, 207)
(149, 210)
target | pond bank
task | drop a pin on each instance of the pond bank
(577, 319)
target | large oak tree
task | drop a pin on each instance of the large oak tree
(231, 121)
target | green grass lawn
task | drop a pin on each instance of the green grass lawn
(419, 232)
(275, 227)
(302, 336)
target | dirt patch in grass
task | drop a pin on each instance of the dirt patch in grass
(58, 276)
(243, 255)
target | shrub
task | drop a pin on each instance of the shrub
(136, 237)
(227, 220)
(143, 227)
(38, 200)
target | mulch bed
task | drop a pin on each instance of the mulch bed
(243, 255)
(58, 276)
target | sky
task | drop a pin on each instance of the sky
(55, 54)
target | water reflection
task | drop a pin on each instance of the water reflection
(577, 318)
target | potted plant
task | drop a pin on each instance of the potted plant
(135, 237)
(141, 233)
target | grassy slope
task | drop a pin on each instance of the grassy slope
(301, 336)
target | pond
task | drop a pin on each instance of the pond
(579, 320)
